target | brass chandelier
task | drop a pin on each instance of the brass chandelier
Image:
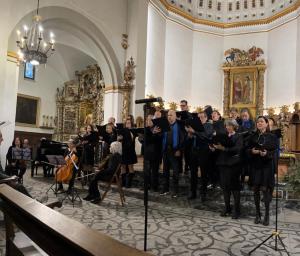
(32, 45)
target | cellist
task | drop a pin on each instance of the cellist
(64, 173)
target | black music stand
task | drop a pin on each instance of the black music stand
(53, 161)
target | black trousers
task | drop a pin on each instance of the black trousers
(170, 162)
(152, 166)
(18, 169)
(93, 188)
(186, 155)
(199, 158)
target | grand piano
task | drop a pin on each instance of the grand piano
(47, 147)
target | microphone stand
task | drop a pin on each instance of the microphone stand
(146, 176)
(276, 232)
(146, 103)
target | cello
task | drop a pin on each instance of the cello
(65, 172)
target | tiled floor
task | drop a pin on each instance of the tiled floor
(176, 226)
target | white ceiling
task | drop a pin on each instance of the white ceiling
(228, 11)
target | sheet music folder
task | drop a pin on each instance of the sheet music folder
(195, 123)
(56, 160)
(162, 123)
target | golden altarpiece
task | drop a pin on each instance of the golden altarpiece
(79, 102)
(244, 80)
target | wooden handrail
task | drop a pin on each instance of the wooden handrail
(55, 233)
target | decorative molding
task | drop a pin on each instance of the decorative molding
(223, 25)
(13, 57)
(112, 88)
(12, 54)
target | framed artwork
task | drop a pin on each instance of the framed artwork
(243, 89)
(29, 71)
(28, 110)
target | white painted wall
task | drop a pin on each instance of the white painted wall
(282, 52)
(156, 44)
(178, 62)
(44, 87)
(113, 103)
(206, 87)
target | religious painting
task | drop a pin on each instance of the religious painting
(86, 113)
(243, 89)
(28, 108)
(29, 71)
(71, 90)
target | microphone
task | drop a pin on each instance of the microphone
(149, 100)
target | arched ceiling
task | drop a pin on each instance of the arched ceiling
(67, 60)
(231, 13)
(74, 33)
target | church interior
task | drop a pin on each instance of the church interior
(150, 127)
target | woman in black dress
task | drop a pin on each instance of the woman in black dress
(89, 141)
(129, 155)
(109, 137)
(261, 150)
(229, 147)
(16, 164)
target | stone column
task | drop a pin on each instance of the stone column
(113, 102)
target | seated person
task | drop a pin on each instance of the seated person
(106, 173)
(16, 162)
(65, 173)
(13, 183)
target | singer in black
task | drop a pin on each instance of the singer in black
(186, 152)
(219, 128)
(199, 155)
(129, 157)
(89, 141)
(204, 154)
(246, 128)
(109, 137)
(261, 150)
(229, 166)
(153, 154)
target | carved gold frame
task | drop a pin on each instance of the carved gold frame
(256, 108)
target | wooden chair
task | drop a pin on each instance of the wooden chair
(115, 180)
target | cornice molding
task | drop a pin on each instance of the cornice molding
(13, 55)
(116, 89)
(223, 25)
